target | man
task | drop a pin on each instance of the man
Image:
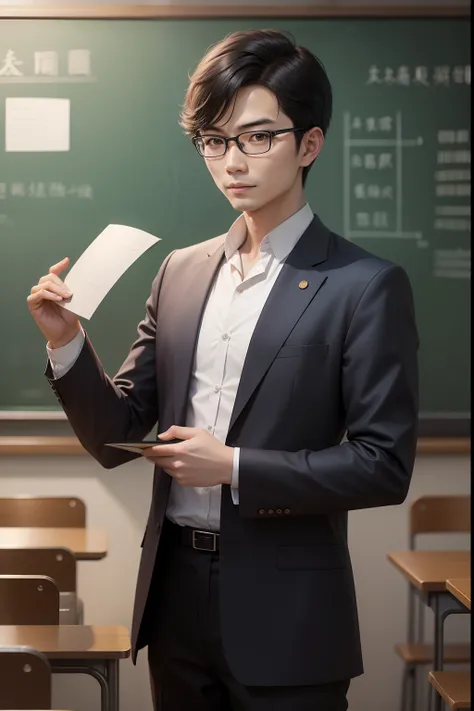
(260, 350)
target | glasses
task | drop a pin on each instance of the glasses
(252, 143)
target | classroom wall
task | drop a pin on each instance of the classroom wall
(118, 501)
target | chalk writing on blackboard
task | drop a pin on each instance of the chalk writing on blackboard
(10, 65)
(41, 190)
(40, 66)
(438, 76)
(373, 200)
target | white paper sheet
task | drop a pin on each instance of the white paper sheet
(37, 124)
(102, 264)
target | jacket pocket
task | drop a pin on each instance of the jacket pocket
(325, 557)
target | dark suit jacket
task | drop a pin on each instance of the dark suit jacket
(336, 357)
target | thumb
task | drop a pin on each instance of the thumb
(176, 432)
(58, 268)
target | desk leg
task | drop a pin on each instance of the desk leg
(443, 604)
(438, 649)
(113, 679)
(98, 671)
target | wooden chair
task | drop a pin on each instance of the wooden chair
(56, 563)
(429, 514)
(43, 511)
(25, 676)
(454, 687)
(28, 600)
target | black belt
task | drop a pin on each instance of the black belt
(196, 538)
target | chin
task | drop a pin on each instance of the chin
(245, 204)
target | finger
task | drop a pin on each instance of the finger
(42, 295)
(171, 473)
(179, 433)
(51, 277)
(168, 465)
(176, 471)
(49, 286)
(164, 451)
(58, 268)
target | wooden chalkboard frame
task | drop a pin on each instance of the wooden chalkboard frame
(149, 12)
(69, 445)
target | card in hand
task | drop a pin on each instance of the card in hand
(138, 447)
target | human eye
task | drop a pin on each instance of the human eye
(259, 136)
(212, 141)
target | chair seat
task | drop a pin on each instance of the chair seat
(424, 653)
(454, 687)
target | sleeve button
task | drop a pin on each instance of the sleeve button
(261, 511)
(279, 511)
(287, 511)
(270, 511)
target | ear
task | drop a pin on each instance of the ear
(311, 145)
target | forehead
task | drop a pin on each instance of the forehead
(249, 104)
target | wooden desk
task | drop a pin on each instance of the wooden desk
(428, 572)
(461, 589)
(79, 649)
(86, 543)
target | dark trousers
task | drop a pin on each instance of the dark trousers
(188, 668)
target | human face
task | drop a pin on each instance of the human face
(272, 179)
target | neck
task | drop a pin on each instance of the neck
(262, 221)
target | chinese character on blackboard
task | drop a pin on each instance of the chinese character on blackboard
(10, 65)
(79, 62)
(46, 64)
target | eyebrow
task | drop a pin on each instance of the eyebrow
(244, 126)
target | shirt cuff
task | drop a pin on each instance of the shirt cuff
(62, 359)
(234, 484)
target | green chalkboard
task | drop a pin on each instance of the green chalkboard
(393, 176)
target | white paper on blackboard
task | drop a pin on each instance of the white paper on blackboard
(37, 125)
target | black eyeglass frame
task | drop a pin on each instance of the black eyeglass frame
(271, 133)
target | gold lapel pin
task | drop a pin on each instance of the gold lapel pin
(303, 284)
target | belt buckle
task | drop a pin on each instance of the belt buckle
(205, 533)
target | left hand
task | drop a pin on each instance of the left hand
(200, 460)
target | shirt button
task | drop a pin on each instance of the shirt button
(216, 388)
(209, 427)
(225, 337)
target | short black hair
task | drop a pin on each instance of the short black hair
(268, 58)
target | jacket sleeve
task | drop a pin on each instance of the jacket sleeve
(380, 394)
(103, 409)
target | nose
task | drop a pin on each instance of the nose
(235, 159)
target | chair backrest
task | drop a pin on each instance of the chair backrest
(25, 676)
(440, 514)
(43, 511)
(56, 563)
(28, 600)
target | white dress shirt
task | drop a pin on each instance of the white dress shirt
(232, 310)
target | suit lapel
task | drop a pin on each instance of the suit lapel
(285, 305)
(190, 315)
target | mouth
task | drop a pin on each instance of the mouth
(239, 188)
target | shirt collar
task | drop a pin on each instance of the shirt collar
(281, 240)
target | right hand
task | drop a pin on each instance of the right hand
(59, 326)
